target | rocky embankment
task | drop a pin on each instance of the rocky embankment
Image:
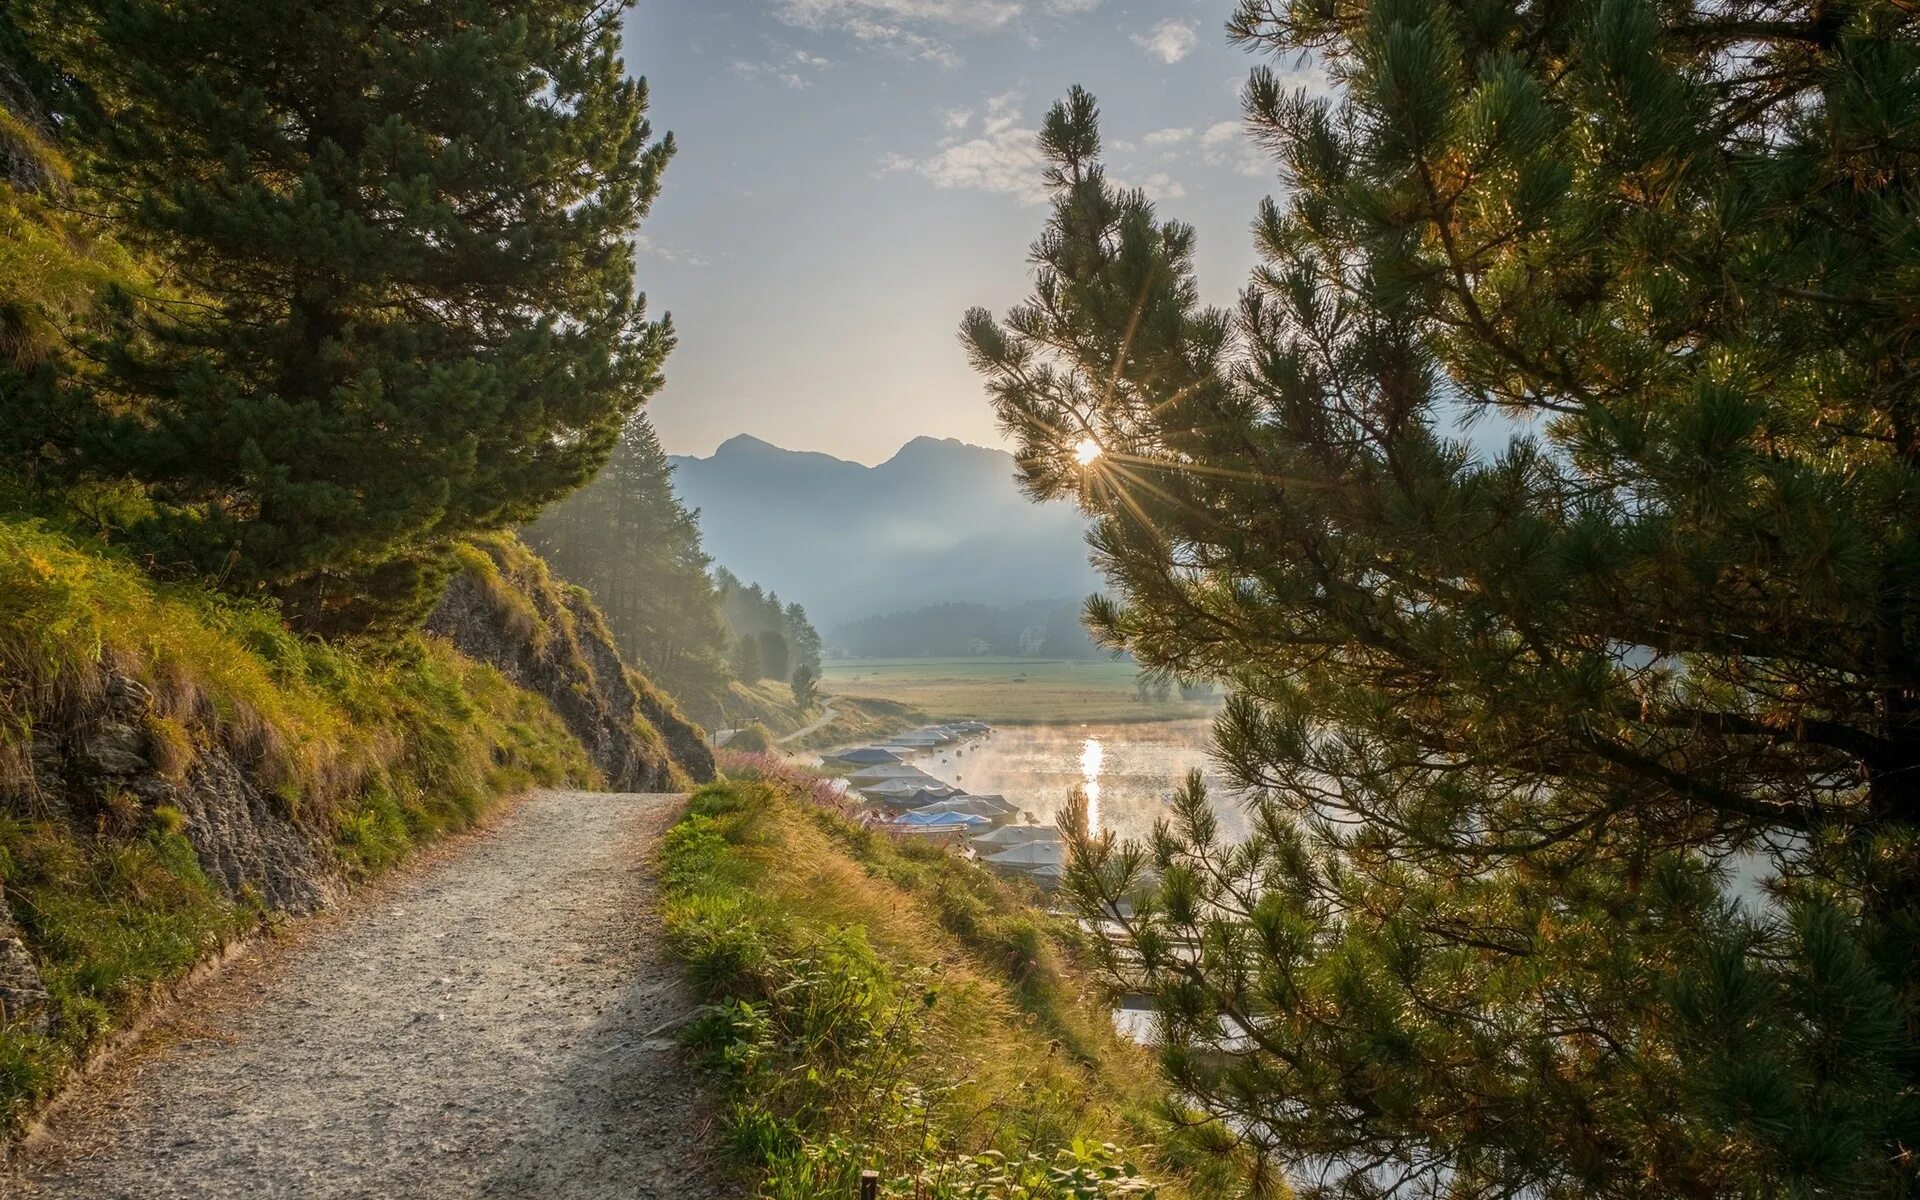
(547, 637)
(104, 754)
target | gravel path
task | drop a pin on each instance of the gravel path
(827, 716)
(478, 1027)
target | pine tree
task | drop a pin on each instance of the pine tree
(754, 612)
(746, 660)
(403, 232)
(803, 637)
(628, 540)
(774, 655)
(806, 685)
(58, 264)
(1515, 725)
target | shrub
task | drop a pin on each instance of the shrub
(754, 739)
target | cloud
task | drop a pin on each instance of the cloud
(787, 65)
(666, 253)
(925, 29)
(1226, 144)
(1003, 112)
(965, 15)
(910, 28)
(1159, 186)
(1004, 160)
(1306, 72)
(1221, 134)
(1169, 41)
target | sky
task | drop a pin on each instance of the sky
(853, 175)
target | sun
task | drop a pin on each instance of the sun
(1087, 452)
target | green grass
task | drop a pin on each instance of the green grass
(1008, 690)
(860, 719)
(754, 739)
(769, 703)
(883, 1005)
(378, 750)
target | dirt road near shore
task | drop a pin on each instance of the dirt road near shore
(477, 1029)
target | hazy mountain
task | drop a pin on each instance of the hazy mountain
(939, 521)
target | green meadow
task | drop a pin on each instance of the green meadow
(1009, 690)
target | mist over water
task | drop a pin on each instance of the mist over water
(1129, 771)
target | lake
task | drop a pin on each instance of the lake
(1129, 770)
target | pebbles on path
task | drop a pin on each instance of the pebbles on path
(478, 1029)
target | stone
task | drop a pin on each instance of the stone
(247, 845)
(116, 748)
(129, 697)
(595, 694)
(48, 794)
(23, 998)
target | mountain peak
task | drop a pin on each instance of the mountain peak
(925, 449)
(745, 443)
(919, 450)
(941, 521)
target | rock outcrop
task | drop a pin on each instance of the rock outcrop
(23, 998)
(503, 609)
(244, 837)
(104, 759)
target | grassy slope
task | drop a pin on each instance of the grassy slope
(377, 752)
(768, 702)
(860, 719)
(1009, 690)
(856, 718)
(549, 615)
(885, 1005)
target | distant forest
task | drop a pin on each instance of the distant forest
(695, 628)
(771, 640)
(1036, 629)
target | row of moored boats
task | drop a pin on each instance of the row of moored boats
(911, 802)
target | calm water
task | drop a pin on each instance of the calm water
(1129, 770)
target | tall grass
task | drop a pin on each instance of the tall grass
(373, 751)
(772, 767)
(883, 1006)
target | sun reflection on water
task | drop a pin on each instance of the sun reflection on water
(1091, 756)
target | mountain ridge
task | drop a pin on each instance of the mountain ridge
(940, 520)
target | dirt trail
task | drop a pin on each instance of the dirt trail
(827, 716)
(477, 1029)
